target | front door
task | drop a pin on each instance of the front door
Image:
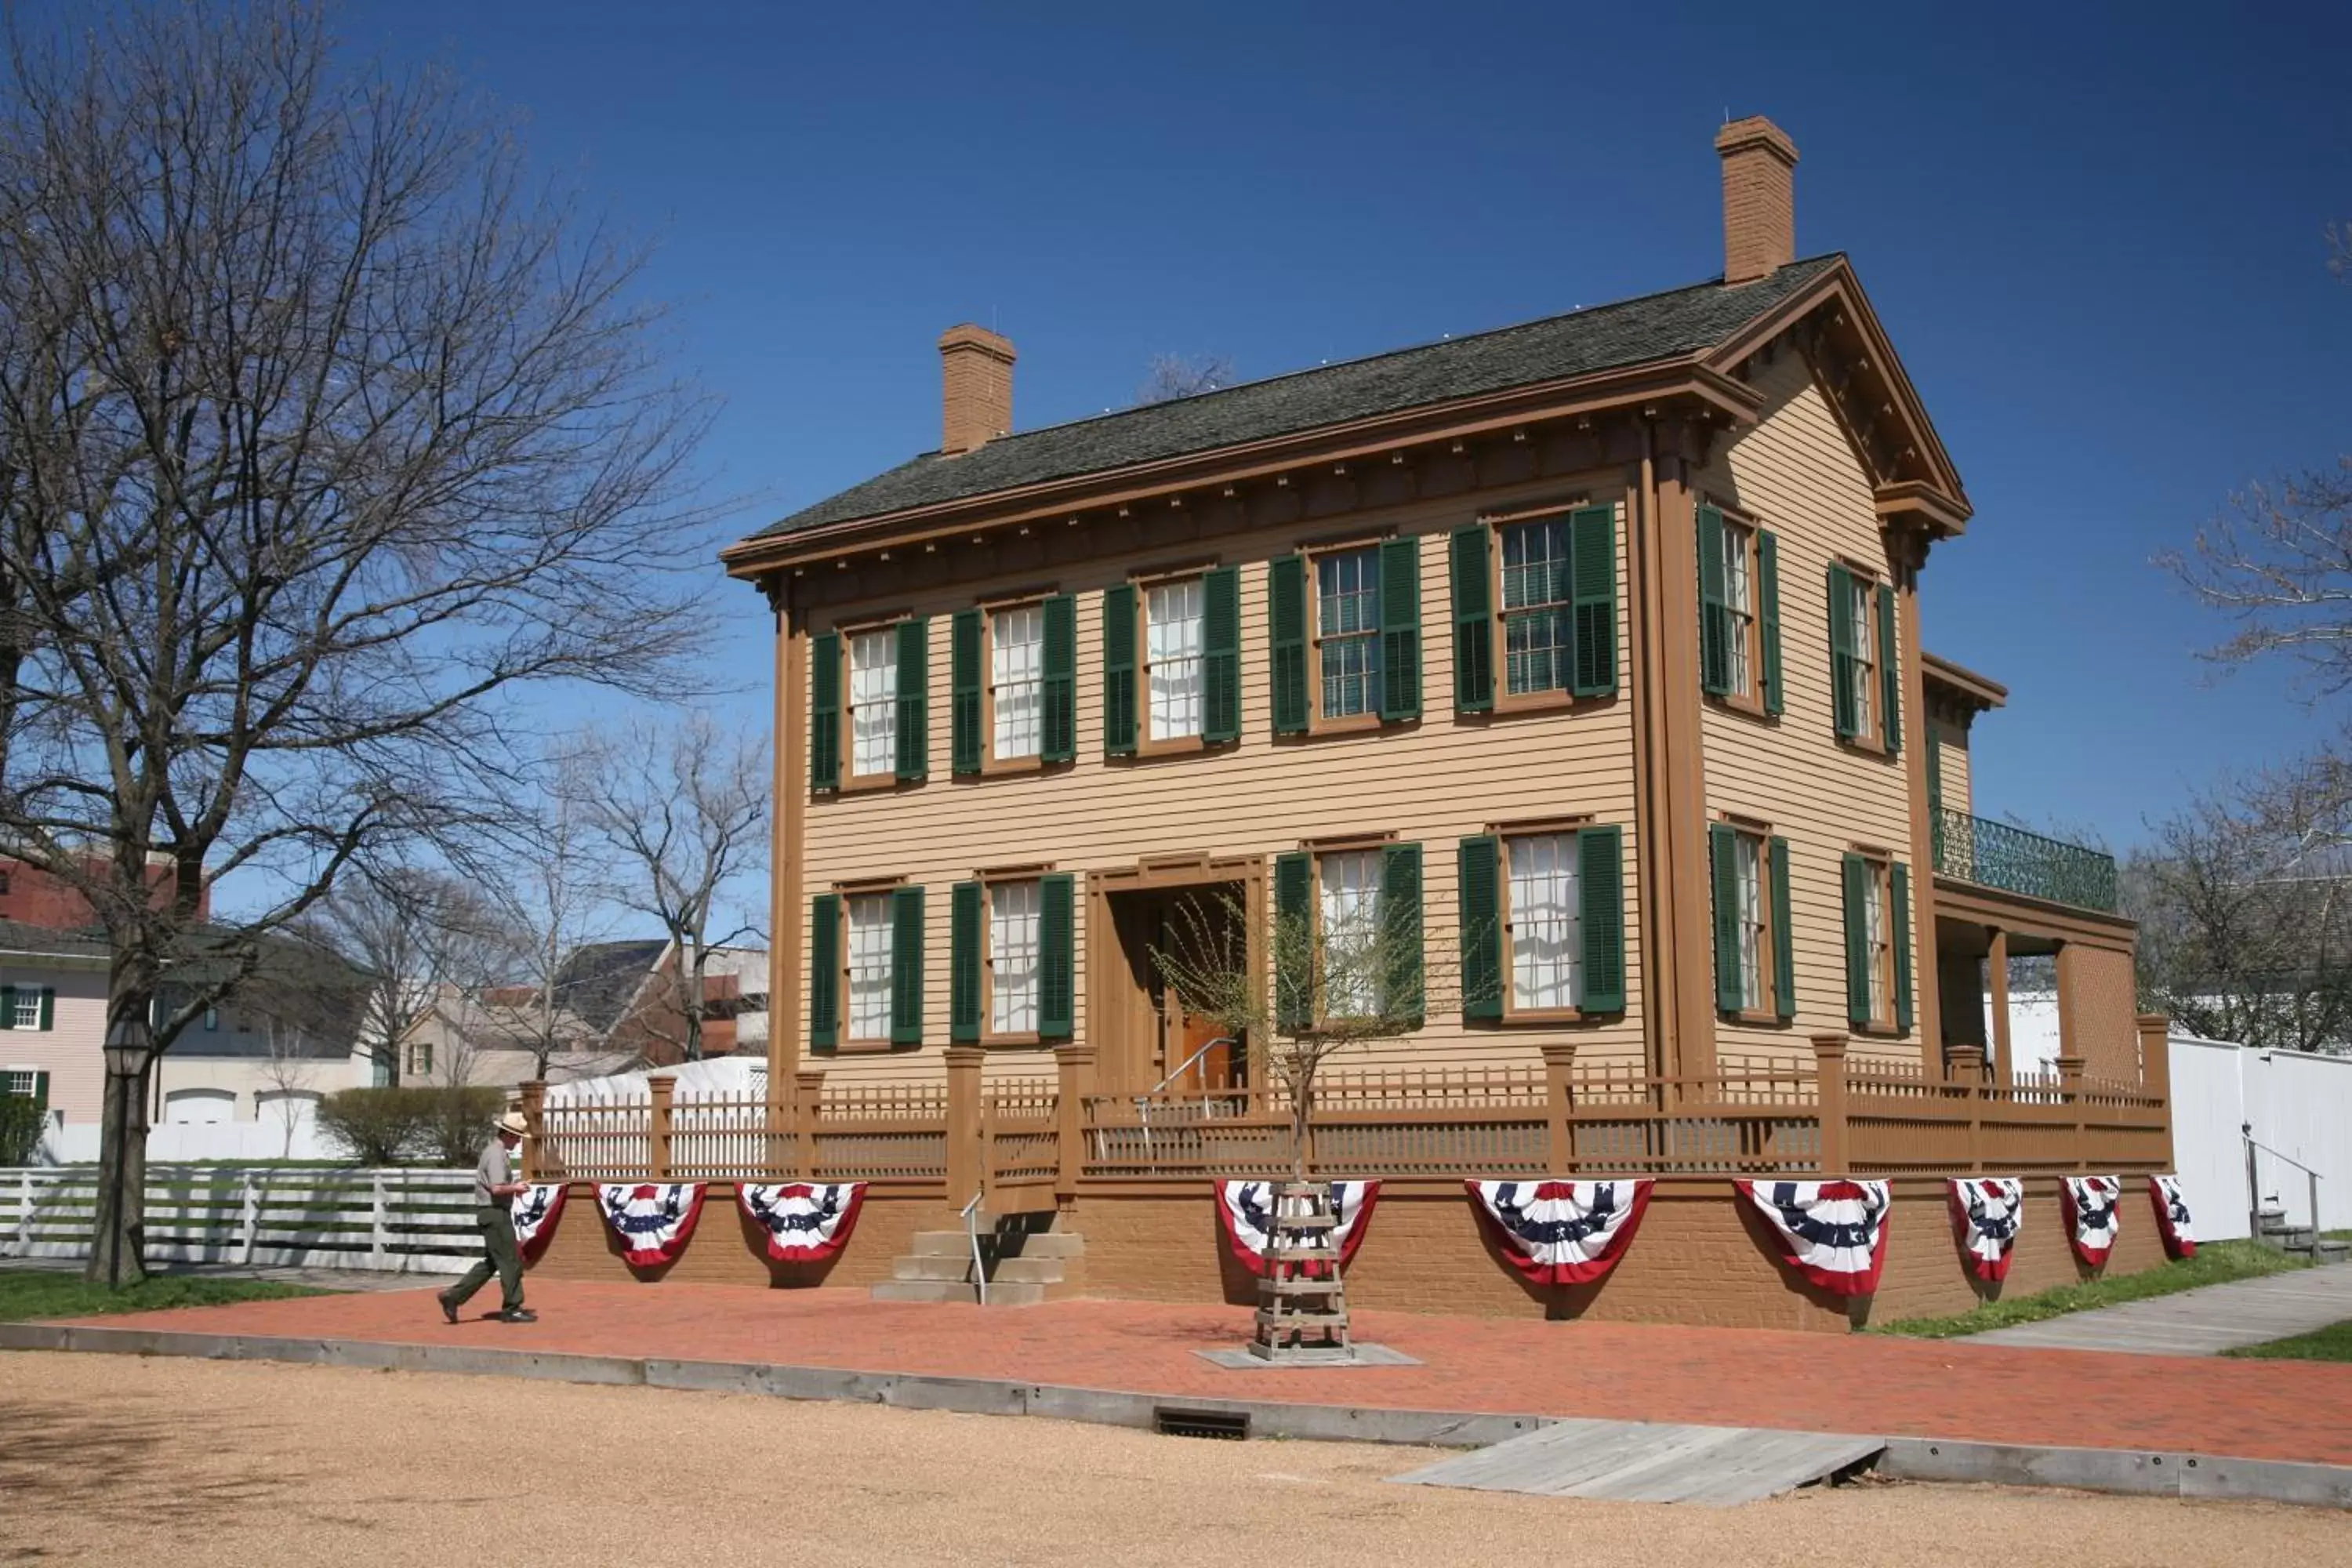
(1201, 927)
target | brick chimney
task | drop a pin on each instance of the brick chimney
(976, 368)
(1760, 198)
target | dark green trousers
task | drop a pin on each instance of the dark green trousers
(498, 1257)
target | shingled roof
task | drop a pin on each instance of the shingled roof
(1584, 342)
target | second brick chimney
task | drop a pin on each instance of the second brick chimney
(976, 371)
(1760, 198)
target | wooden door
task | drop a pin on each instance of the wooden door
(1188, 917)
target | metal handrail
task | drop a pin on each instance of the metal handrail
(2254, 1184)
(2319, 1175)
(971, 1228)
(1143, 1100)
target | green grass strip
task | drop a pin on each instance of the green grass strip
(44, 1293)
(2331, 1343)
(2215, 1263)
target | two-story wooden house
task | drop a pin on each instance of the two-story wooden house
(1592, 646)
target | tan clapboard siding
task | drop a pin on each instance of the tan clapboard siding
(1432, 783)
(1795, 472)
(1952, 751)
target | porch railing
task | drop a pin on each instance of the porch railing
(1029, 1143)
(1997, 855)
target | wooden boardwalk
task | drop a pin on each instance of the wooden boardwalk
(1642, 1461)
(2204, 1321)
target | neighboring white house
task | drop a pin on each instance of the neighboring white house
(53, 1020)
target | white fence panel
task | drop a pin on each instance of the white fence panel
(2209, 1104)
(336, 1218)
(76, 1143)
(2297, 1104)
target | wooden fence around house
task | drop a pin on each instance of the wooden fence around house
(329, 1217)
(1027, 1143)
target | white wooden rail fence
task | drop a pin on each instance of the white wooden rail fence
(326, 1217)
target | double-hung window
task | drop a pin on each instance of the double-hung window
(25, 1008)
(1543, 922)
(874, 703)
(20, 1082)
(1877, 942)
(1172, 656)
(1348, 910)
(1755, 966)
(1013, 951)
(1862, 670)
(1865, 689)
(1539, 649)
(1016, 658)
(1739, 608)
(869, 967)
(1348, 632)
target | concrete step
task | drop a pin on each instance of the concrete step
(2332, 1252)
(1006, 1271)
(940, 1290)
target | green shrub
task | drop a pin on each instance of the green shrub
(21, 1117)
(377, 1126)
(460, 1122)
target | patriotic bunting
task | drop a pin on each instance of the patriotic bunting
(1563, 1232)
(653, 1219)
(2172, 1215)
(806, 1222)
(1988, 1210)
(536, 1209)
(2092, 1219)
(1246, 1214)
(1836, 1231)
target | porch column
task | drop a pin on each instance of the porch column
(2004, 1068)
(1906, 553)
(2072, 1042)
(964, 1151)
(788, 824)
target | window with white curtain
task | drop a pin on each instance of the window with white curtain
(874, 701)
(1547, 923)
(1012, 965)
(1748, 879)
(1351, 911)
(1016, 642)
(1740, 601)
(870, 966)
(1863, 671)
(1171, 657)
(1876, 942)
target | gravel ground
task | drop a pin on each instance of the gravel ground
(116, 1459)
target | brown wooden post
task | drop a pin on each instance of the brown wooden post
(534, 1112)
(1559, 1101)
(1968, 1081)
(1074, 1073)
(2070, 1093)
(1829, 1078)
(963, 1123)
(2004, 1066)
(2156, 1070)
(808, 1111)
(657, 1125)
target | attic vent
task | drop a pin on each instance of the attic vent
(1171, 1421)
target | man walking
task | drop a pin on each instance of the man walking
(495, 1190)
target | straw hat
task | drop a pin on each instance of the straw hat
(514, 1124)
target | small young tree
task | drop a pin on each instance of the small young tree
(289, 1065)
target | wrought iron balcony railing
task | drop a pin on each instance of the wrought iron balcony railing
(1996, 855)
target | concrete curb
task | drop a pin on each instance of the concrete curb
(2126, 1471)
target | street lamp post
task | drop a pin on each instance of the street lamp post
(129, 1046)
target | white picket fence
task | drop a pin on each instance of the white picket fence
(323, 1217)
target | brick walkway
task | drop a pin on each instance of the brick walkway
(1738, 1377)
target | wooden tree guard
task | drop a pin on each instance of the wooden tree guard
(1302, 1306)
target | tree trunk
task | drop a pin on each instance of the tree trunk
(118, 1231)
(1302, 1119)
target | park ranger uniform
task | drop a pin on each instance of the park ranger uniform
(494, 1215)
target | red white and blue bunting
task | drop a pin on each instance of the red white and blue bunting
(1246, 1213)
(1836, 1231)
(805, 1222)
(2092, 1219)
(536, 1209)
(1988, 1210)
(2172, 1215)
(653, 1219)
(1563, 1232)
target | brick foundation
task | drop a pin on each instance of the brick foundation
(1702, 1256)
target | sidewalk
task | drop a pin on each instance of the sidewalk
(321, 1279)
(1716, 1377)
(2204, 1321)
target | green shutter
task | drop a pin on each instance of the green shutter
(1401, 629)
(914, 699)
(1401, 979)
(1056, 961)
(1119, 670)
(825, 711)
(965, 743)
(1713, 614)
(1293, 927)
(1286, 610)
(8, 1006)
(41, 1094)
(1479, 895)
(964, 915)
(1592, 553)
(1842, 653)
(1890, 673)
(48, 1007)
(825, 972)
(1723, 862)
(1600, 879)
(1221, 656)
(1768, 601)
(1857, 942)
(1784, 945)
(1899, 890)
(1473, 622)
(1060, 739)
(906, 966)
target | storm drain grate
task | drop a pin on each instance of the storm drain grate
(1171, 1421)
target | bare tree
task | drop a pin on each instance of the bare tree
(324, 441)
(418, 936)
(289, 1065)
(550, 897)
(1171, 376)
(681, 812)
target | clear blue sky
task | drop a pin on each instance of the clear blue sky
(2095, 240)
